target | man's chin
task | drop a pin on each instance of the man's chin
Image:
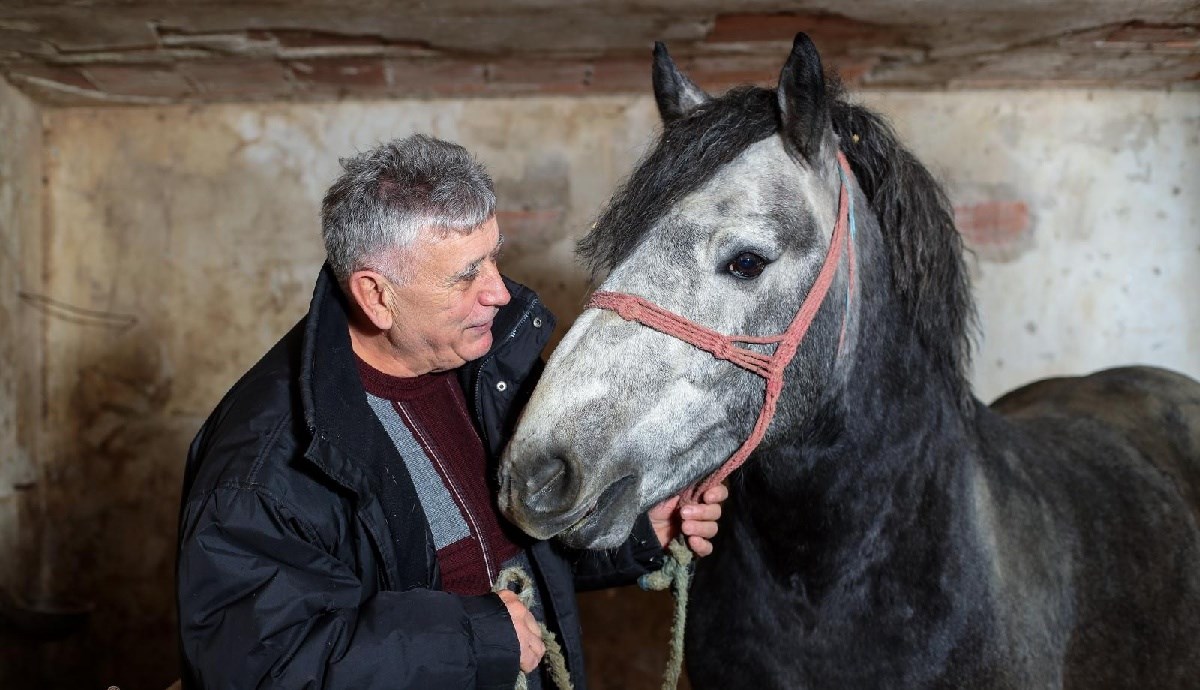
(480, 342)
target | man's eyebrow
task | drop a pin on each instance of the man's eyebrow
(473, 267)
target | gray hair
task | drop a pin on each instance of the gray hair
(386, 196)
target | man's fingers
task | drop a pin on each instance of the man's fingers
(700, 520)
(718, 493)
(529, 633)
(537, 646)
(665, 507)
(701, 546)
(698, 528)
(702, 511)
(532, 645)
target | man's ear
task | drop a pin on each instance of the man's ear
(374, 296)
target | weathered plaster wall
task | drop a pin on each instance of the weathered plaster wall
(20, 271)
(189, 235)
(1088, 238)
(20, 349)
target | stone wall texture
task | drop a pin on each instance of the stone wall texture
(181, 241)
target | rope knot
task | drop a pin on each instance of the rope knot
(517, 581)
(724, 350)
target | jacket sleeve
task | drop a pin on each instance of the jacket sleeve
(263, 605)
(640, 554)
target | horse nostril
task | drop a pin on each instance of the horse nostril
(548, 486)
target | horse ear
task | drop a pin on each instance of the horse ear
(803, 103)
(675, 93)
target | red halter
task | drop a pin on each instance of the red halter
(770, 367)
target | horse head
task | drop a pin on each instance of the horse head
(894, 531)
(726, 223)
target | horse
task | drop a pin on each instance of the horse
(888, 529)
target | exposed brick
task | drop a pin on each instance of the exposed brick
(425, 77)
(139, 80)
(221, 42)
(718, 73)
(232, 79)
(539, 76)
(997, 230)
(853, 71)
(82, 28)
(824, 28)
(69, 76)
(304, 44)
(299, 38)
(621, 75)
(1167, 37)
(359, 74)
(1134, 37)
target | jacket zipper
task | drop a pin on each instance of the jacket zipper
(478, 371)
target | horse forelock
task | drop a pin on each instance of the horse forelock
(688, 154)
(928, 272)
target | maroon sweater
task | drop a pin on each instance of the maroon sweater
(434, 409)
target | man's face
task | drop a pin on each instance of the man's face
(443, 313)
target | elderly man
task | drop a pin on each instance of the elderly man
(339, 527)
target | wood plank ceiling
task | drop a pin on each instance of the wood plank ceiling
(144, 51)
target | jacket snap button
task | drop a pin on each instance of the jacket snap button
(501, 386)
(537, 322)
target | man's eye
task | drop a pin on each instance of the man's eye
(747, 265)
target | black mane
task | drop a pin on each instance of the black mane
(915, 216)
(923, 245)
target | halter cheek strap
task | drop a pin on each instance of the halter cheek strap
(770, 367)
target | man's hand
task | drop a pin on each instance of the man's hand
(698, 522)
(529, 633)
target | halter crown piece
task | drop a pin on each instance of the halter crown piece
(770, 367)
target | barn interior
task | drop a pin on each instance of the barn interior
(162, 167)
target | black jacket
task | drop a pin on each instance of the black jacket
(304, 564)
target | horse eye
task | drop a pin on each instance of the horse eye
(747, 265)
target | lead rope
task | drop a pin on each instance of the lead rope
(676, 573)
(517, 581)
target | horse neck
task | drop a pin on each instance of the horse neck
(881, 477)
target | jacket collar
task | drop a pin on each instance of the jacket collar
(347, 437)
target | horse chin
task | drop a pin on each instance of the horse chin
(609, 523)
(597, 533)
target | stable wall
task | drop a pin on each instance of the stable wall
(20, 339)
(20, 352)
(184, 241)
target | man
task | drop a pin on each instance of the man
(338, 526)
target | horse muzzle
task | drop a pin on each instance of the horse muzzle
(547, 497)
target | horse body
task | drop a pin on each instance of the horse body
(890, 530)
(1026, 548)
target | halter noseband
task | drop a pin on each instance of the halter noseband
(770, 367)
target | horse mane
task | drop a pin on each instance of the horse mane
(925, 249)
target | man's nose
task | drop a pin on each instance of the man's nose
(494, 294)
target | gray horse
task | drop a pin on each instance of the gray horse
(890, 530)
